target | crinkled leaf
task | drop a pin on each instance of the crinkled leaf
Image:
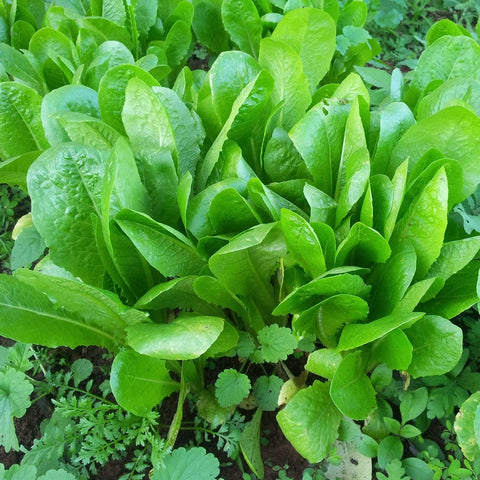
(276, 343)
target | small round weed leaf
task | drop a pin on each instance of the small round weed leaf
(266, 391)
(389, 449)
(277, 343)
(231, 387)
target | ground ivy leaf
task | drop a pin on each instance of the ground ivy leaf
(15, 392)
(277, 343)
(191, 464)
(231, 387)
(266, 391)
(310, 422)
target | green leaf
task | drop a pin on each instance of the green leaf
(355, 334)
(250, 444)
(323, 362)
(20, 128)
(70, 98)
(208, 27)
(389, 449)
(266, 391)
(465, 427)
(354, 169)
(363, 246)
(185, 338)
(302, 243)
(140, 382)
(351, 389)
(65, 185)
(246, 264)
(243, 24)
(215, 292)
(14, 171)
(28, 247)
(166, 249)
(325, 318)
(81, 369)
(326, 286)
(394, 350)
(437, 132)
(177, 43)
(57, 475)
(182, 464)
(413, 403)
(111, 92)
(418, 469)
(311, 33)
(310, 422)
(437, 346)
(15, 392)
(447, 58)
(290, 83)
(276, 343)
(425, 222)
(231, 387)
(392, 279)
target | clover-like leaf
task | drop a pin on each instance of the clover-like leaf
(231, 387)
(277, 343)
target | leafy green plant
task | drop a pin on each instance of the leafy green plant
(257, 213)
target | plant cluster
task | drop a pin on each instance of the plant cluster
(271, 211)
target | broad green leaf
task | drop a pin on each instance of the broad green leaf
(312, 34)
(425, 222)
(187, 130)
(394, 350)
(198, 210)
(48, 43)
(322, 157)
(107, 56)
(465, 427)
(444, 27)
(390, 450)
(176, 293)
(65, 185)
(250, 444)
(356, 334)
(111, 92)
(363, 246)
(229, 212)
(290, 83)
(208, 27)
(399, 182)
(145, 118)
(281, 160)
(140, 382)
(214, 292)
(104, 29)
(20, 68)
(454, 256)
(30, 316)
(382, 200)
(177, 43)
(437, 346)
(310, 422)
(15, 392)
(325, 318)
(246, 264)
(392, 279)
(395, 119)
(354, 168)
(185, 338)
(20, 128)
(413, 404)
(324, 362)
(325, 286)
(28, 247)
(14, 171)
(461, 90)
(266, 391)
(166, 249)
(322, 206)
(243, 24)
(302, 243)
(226, 342)
(416, 292)
(351, 389)
(446, 59)
(113, 10)
(145, 16)
(453, 132)
(457, 295)
(88, 130)
(70, 98)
